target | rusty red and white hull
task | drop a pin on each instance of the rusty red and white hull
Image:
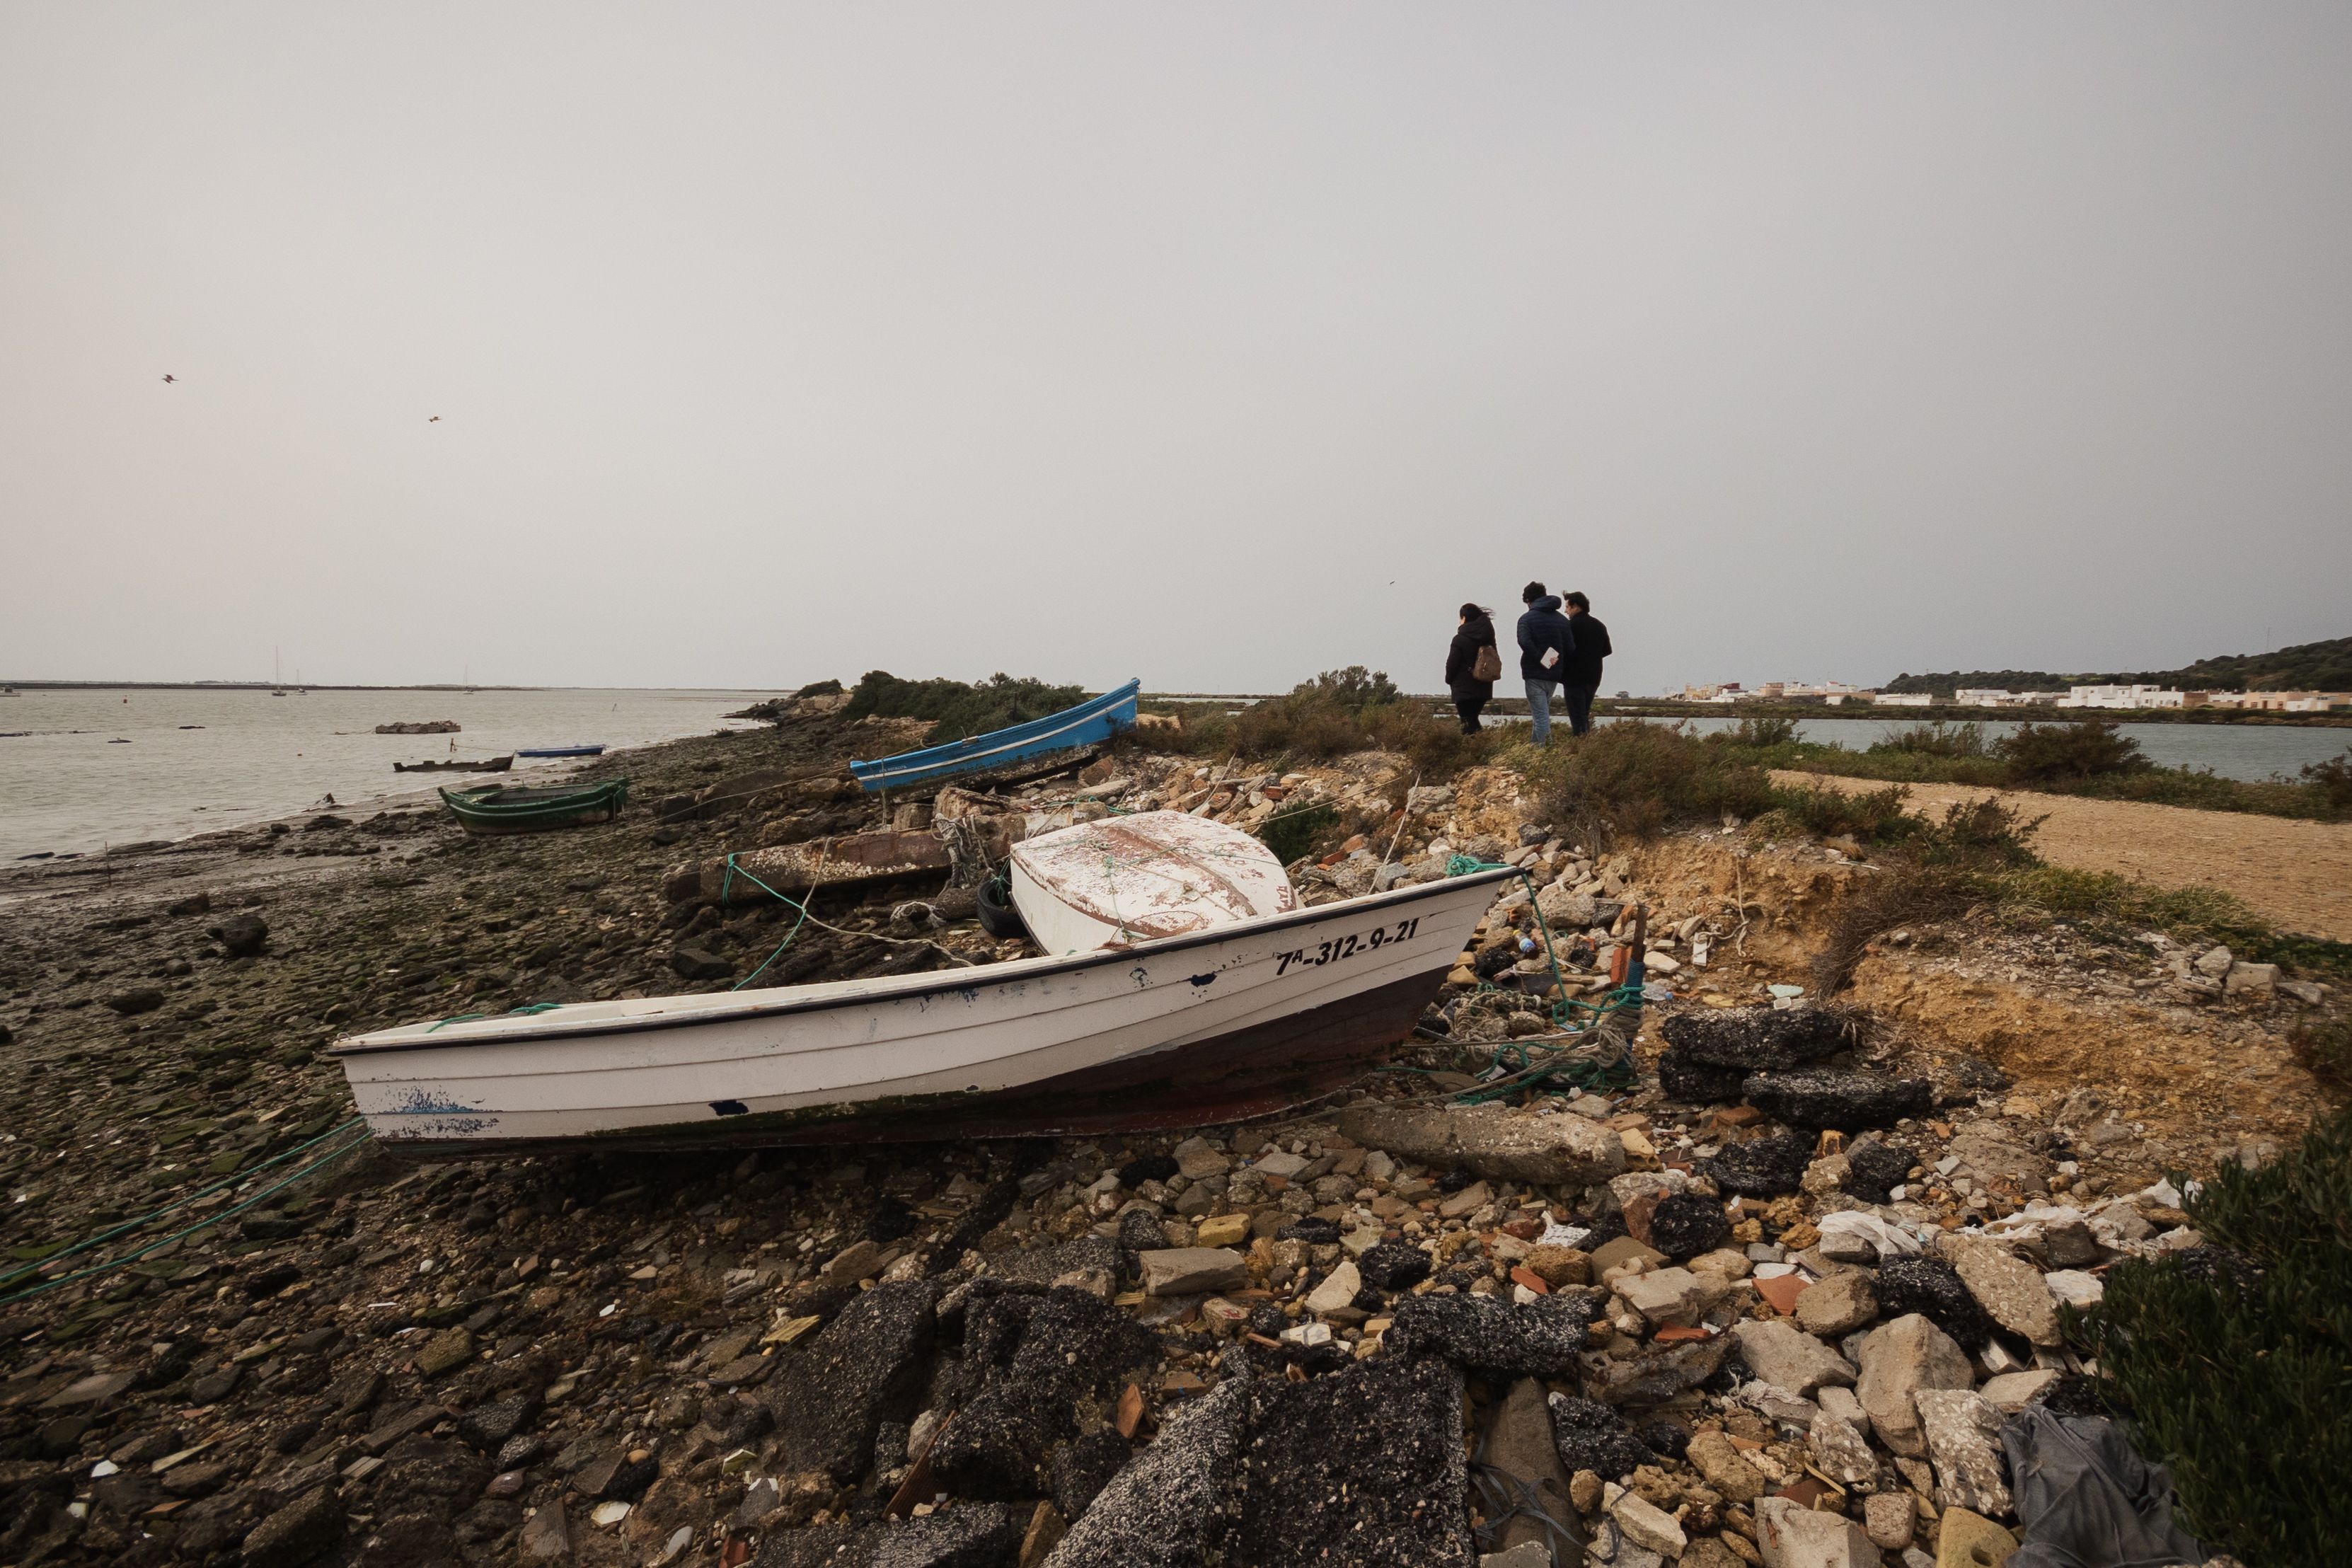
(1237, 1021)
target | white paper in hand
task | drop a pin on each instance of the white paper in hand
(1550, 658)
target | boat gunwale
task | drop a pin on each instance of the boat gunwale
(938, 983)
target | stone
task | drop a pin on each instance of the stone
(1791, 1535)
(1654, 1373)
(308, 1527)
(131, 1004)
(1029, 1362)
(1963, 1436)
(1592, 1438)
(1669, 1296)
(2214, 962)
(1761, 1167)
(1223, 1230)
(241, 936)
(1618, 1251)
(1393, 1266)
(490, 1427)
(1888, 1518)
(1193, 1271)
(1851, 1236)
(699, 963)
(1787, 1358)
(1837, 1304)
(1898, 1359)
(446, 1352)
(2013, 1390)
(1164, 1507)
(1491, 1141)
(1826, 1098)
(1684, 1224)
(1195, 1159)
(2009, 1289)
(1542, 1338)
(1337, 1290)
(1932, 1286)
(2074, 1288)
(1526, 1555)
(1840, 1450)
(1966, 1538)
(1557, 1266)
(1759, 1039)
(1520, 1444)
(1365, 1465)
(1468, 1201)
(839, 1385)
(1647, 1525)
(546, 1536)
(1719, 1461)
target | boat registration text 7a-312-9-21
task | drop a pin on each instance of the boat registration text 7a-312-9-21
(1347, 946)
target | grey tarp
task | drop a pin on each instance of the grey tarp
(2086, 1500)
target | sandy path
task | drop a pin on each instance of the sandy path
(2298, 874)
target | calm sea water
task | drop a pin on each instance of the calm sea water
(195, 760)
(2251, 752)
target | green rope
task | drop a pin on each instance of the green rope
(729, 881)
(319, 1164)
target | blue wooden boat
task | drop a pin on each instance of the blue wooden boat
(1021, 751)
(561, 752)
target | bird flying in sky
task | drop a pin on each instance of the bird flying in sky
(435, 420)
(171, 378)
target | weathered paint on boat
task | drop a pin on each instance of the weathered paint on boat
(1017, 751)
(1231, 1022)
(1138, 878)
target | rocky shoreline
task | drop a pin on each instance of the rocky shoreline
(1777, 1295)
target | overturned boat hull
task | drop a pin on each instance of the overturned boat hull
(1214, 1027)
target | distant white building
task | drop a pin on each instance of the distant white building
(1986, 697)
(2122, 696)
(1905, 700)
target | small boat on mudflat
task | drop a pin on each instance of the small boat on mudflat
(596, 750)
(1229, 1015)
(1003, 756)
(494, 766)
(507, 808)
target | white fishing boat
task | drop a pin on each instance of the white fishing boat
(1248, 1004)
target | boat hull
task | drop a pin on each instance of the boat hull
(1215, 1027)
(477, 812)
(1002, 756)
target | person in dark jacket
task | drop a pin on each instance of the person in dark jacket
(1545, 642)
(1582, 681)
(1470, 693)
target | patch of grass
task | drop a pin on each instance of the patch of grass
(1867, 817)
(2324, 1045)
(2117, 909)
(2237, 1364)
(1762, 732)
(1293, 834)
(961, 707)
(1940, 869)
(1635, 779)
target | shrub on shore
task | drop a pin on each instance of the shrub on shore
(2235, 1357)
(961, 707)
(1636, 779)
(2060, 753)
(1939, 869)
(2333, 780)
(1938, 739)
(1339, 711)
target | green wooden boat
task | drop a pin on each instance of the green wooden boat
(509, 808)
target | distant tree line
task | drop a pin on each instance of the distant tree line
(2306, 667)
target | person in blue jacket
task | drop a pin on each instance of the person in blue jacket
(1546, 641)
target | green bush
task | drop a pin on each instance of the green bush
(1870, 816)
(2324, 1045)
(1292, 834)
(1762, 731)
(2237, 1363)
(2050, 753)
(1635, 779)
(1938, 739)
(960, 709)
(820, 688)
(1354, 687)
(1340, 711)
(2333, 779)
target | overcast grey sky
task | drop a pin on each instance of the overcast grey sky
(1212, 343)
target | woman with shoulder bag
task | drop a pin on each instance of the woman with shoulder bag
(1473, 665)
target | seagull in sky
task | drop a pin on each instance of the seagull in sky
(435, 420)
(171, 378)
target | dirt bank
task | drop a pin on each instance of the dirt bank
(2297, 874)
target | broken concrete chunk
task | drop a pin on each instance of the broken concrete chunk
(1491, 1141)
(1963, 1436)
(1837, 1304)
(1788, 1358)
(1824, 1097)
(1724, 1468)
(840, 1386)
(1193, 1271)
(1647, 1525)
(1897, 1360)
(1501, 1339)
(1840, 1450)
(1791, 1535)
(1669, 1296)
(1165, 1509)
(2010, 1289)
